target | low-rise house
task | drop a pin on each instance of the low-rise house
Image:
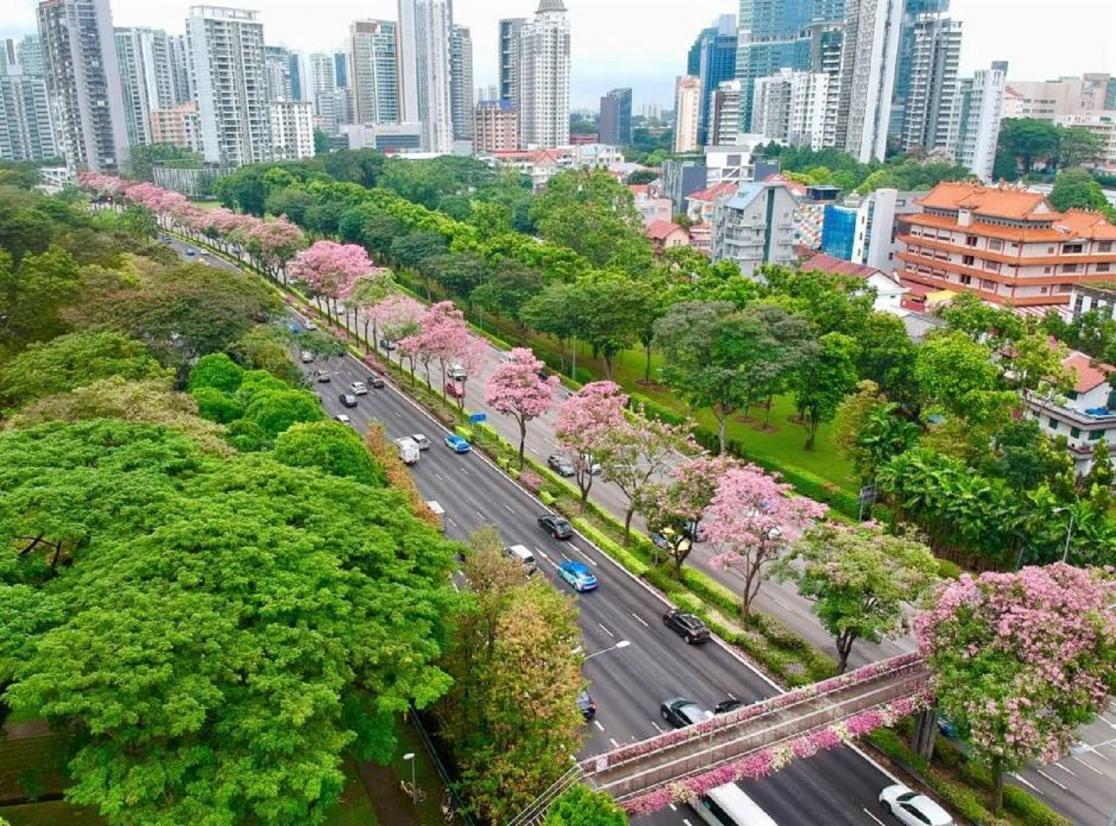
(651, 204)
(666, 234)
(889, 292)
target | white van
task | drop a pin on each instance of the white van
(408, 450)
(439, 513)
(520, 554)
(728, 806)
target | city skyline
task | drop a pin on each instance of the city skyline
(1037, 47)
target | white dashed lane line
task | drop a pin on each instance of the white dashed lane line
(597, 723)
(1051, 779)
(640, 620)
(605, 630)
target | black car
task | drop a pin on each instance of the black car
(376, 380)
(556, 526)
(680, 712)
(586, 705)
(348, 399)
(560, 465)
(725, 706)
(689, 627)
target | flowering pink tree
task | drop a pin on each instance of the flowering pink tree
(675, 508)
(365, 293)
(583, 423)
(272, 243)
(516, 390)
(444, 338)
(398, 318)
(1020, 661)
(752, 518)
(330, 270)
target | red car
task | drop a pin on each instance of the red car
(454, 389)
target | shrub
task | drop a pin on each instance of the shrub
(1031, 811)
(217, 406)
(949, 570)
(613, 549)
(547, 498)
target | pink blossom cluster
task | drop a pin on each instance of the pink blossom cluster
(766, 761)
(515, 388)
(331, 269)
(1035, 643)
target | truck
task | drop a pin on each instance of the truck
(408, 450)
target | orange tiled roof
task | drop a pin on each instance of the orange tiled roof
(1087, 374)
(1074, 224)
(794, 186)
(661, 230)
(839, 266)
(713, 193)
(1088, 224)
(1002, 202)
(638, 190)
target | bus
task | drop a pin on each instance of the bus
(728, 806)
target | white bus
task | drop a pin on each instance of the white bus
(728, 806)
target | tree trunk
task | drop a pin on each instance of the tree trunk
(647, 363)
(925, 732)
(721, 429)
(522, 440)
(997, 787)
(608, 366)
(628, 525)
(844, 648)
(366, 347)
(811, 431)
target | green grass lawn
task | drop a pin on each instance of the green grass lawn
(354, 808)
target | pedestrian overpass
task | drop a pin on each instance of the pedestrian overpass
(713, 748)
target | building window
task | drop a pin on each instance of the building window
(1075, 432)
(1096, 435)
(967, 260)
(1046, 270)
(994, 266)
(1104, 266)
(1071, 249)
(1104, 246)
(995, 245)
(1053, 423)
(1044, 290)
(1069, 267)
(1050, 250)
(1063, 288)
(970, 240)
(966, 279)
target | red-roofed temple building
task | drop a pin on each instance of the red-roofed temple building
(1006, 245)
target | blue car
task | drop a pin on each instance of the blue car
(578, 575)
(457, 444)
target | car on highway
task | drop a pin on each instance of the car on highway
(663, 543)
(323, 377)
(457, 372)
(586, 705)
(377, 381)
(695, 531)
(681, 712)
(687, 626)
(912, 808)
(191, 251)
(578, 575)
(560, 465)
(457, 444)
(306, 358)
(388, 344)
(343, 419)
(358, 388)
(310, 325)
(556, 526)
(725, 706)
(455, 390)
(420, 440)
(522, 554)
(347, 399)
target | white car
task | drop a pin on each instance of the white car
(420, 440)
(306, 358)
(359, 388)
(343, 419)
(310, 325)
(912, 808)
(457, 372)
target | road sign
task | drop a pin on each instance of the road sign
(478, 418)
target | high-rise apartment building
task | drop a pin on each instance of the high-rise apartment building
(974, 128)
(298, 77)
(461, 82)
(871, 49)
(687, 113)
(374, 70)
(724, 113)
(791, 107)
(496, 127)
(773, 35)
(179, 60)
(425, 31)
(511, 32)
(615, 126)
(145, 72)
(323, 88)
(544, 77)
(1047, 100)
(292, 129)
(26, 130)
(227, 65)
(926, 76)
(179, 126)
(713, 59)
(277, 73)
(83, 81)
(341, 69)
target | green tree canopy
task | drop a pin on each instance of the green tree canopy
(331, 447)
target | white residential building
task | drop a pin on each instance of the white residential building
(277, 73)
(374, 71)
(83, 82)
(227, 69)
(145, 72)
(292, 130)
(974, 127)
(755, 226)
(724, 113)
(1103, 125)
(323, 92)
(1085, 416)
(179, 58)
(544, 77)
(790, 107)
(179, 126)
(26, 130)
(425, 31)
(868, 76)
(687, 113)
(1047, 100)
(929, 55)
(461, 82)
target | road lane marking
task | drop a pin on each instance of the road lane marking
(1093, 749)
(656, 725)
(1052, 780)
(1086, 765)
(605, 630)
(509, 508)
(1067, 771)
(612, 740)
(731, 696)
(640, 620)
(686, 822)
(597, 723)
(464, 469)
(872, 816)
(588, 558)
(1026, 782)
(673, 808)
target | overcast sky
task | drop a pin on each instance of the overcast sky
(643, 43)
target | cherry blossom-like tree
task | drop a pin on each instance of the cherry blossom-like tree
(584, 421)
(1020, 661)
(516, 389)
(330, 270)
(753, 517)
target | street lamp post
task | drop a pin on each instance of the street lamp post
(1069, 532)
(618, 645)
(410, 758)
